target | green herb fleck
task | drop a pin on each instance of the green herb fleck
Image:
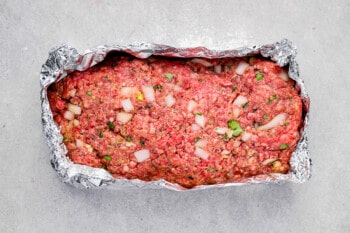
(234, 89)
(274, 97)
(103, 166)
(283, 146)
(211, 169)
(142, 142)
(199, 114)
(228, 67)
(190, 177)
(245, 105)
(265, 116)
(111, 126)
(234, 125)
(197, 139)
(128, 138)
(133, 70)
(64, 138)
(107, 157)
(286, 124)
(225, 137)
(89, 93)
(100, 135)
(169, 76)
(157, 87)
(272, 164)
(259, 76)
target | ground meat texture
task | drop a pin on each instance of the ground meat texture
(191, 122)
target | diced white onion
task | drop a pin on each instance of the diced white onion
(72, 92)
(200, 120)
(240, 100)
(76, 122)
(220, 130)
(201, 153)
(130, 144)
(127, 105)
(79, 143)
(74, 109)
(277, 120)
(202, 62)
(128, 91)
(268, 161)
(169, 100)
(201, 143)
(229, 133)
(236, 111)
(284, 76)
(177, 88)
(225, 152)
(69, 115)
(124, 117)
(191, 105)
(195, 127)
(89, 148)
(236, 144)
(148, 92)
(242, 66)
(142, 155)
(217, 69)
(246, 136)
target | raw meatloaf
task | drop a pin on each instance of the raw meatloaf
(188, 121)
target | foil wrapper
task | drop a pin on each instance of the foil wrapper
(64, 59)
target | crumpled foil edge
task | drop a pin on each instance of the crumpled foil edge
(64, 59)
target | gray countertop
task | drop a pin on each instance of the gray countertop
(33, 199)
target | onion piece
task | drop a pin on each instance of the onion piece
(220, 130)
(142, 155)
(68, 115)
(217, 69)
(127, 105)
(283, 75)
(202, 62)
(169, 100)
(74, 109)
(240, 100)
(79, 143)
(200, 120)
(246, 136)
(128, 91)
(236, 111)
(201, 153)
(76, 122)
(195, 127)
(72, 92)
(148, 92)
(229, 133)
(225, 152)
(124, 117)
(242, 66)
(268, 161)
(274, 122)
(201, 143)
(191, 105)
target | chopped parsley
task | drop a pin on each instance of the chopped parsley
(89, 93)
(107, 157)
(228, 67)
(100, 135)
(225, 137)
(103, 166)
(283, 146)
(199, 114)
(128, 138)
(234, 89)
(142, 142)
(169, 76)
(271, 98)
(111, 126)
(234, 125)
(211, 169)
(265, 116)
(190, 177)
(245, 105)
(259, 76)
(197, 139)
(157, 87)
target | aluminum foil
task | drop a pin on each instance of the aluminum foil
(64, 59)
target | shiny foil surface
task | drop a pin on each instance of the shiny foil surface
(64, 59)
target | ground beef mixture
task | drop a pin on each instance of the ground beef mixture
(188, 121)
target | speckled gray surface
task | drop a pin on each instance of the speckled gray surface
(33, 199)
